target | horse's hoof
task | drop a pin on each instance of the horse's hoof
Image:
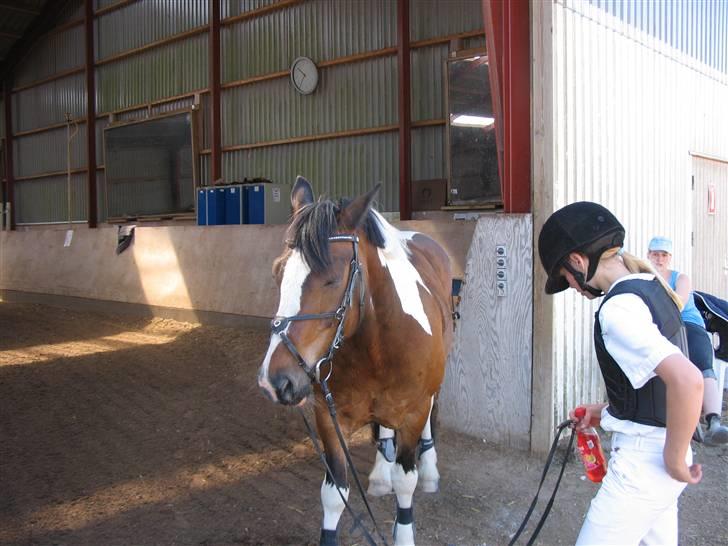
(429, 486)
(379, 488)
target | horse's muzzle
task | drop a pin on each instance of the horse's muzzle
(289, 389)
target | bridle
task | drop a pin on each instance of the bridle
(279, 324)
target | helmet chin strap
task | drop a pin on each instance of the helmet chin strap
(579, 278)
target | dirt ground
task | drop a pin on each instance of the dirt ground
(124, 431)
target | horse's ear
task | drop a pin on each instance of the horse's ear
(301, 194)
(355, 212)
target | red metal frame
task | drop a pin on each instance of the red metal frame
(403, 62)
(507, 32)
(90, 116)
(215, 129)
(9, 179)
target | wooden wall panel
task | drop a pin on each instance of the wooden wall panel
(487, 389)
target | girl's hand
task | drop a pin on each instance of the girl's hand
(592, 418)
(680, 471)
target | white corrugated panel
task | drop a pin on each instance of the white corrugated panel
(627, 109)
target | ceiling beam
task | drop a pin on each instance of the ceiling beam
(19, 9)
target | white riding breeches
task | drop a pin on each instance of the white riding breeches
(637, 502)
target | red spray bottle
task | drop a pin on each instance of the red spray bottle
(590, 450)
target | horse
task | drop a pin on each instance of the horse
(364, 312)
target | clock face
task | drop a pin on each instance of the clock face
(304, 75)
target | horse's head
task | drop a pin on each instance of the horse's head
(321, 281)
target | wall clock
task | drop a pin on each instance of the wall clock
(304, 75)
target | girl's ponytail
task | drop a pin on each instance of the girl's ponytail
(638, 265)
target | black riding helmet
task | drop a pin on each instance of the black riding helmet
(584, 227)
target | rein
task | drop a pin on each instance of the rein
(563, 426)
(278, 326)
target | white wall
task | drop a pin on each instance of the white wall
(616, 113)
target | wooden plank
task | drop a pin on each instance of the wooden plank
(542, 393)
(487, 388)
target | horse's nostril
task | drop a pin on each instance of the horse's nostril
(284, 389)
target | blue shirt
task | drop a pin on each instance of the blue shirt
(689, 313)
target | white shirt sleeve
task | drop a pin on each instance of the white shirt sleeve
(632, 338)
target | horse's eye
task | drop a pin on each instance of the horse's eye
(331, 282)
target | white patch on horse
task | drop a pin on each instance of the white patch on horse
(395, 257)
(332, 504)
(404, 484)
(295, 273)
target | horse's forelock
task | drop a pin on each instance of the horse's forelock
(312, 226)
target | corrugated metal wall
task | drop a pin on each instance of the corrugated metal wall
(135, 77)
(627, 109)
(40, 111)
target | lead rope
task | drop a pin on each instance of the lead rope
(549, 460)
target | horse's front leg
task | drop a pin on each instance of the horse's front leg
(331, 496)
(404, 482)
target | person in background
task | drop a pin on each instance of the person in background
(700, 346)
(654, 392)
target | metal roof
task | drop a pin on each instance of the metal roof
(19, 19)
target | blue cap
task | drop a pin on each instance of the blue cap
(660, 244)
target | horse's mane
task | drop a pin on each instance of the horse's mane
(312, 226)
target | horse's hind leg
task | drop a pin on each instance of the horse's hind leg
(429, 479)
(380, 478)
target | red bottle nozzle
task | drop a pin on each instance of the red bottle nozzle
(580, 412)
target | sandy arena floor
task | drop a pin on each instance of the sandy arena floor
(121, 431)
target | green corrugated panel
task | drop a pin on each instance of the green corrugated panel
(142, 23)
(319, 29)
(46, 200)
(353, 96)
(337, 167)
(432, 18)
(167, 71)
(47, 152)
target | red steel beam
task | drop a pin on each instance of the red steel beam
(215, 129)
(507, 34)
(90, 116)
(9, 179)
(403, 62)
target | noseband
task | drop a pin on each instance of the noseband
(279, 324)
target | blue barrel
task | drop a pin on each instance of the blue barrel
(234, 202)
(201, 207)
(255, 204)
(215, 206)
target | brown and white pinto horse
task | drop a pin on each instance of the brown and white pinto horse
(376, 301)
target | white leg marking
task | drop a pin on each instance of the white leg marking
(404, 486)
(333, 505)
(294, 275)
(429, 476)
(395, 257)
(380, 478)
